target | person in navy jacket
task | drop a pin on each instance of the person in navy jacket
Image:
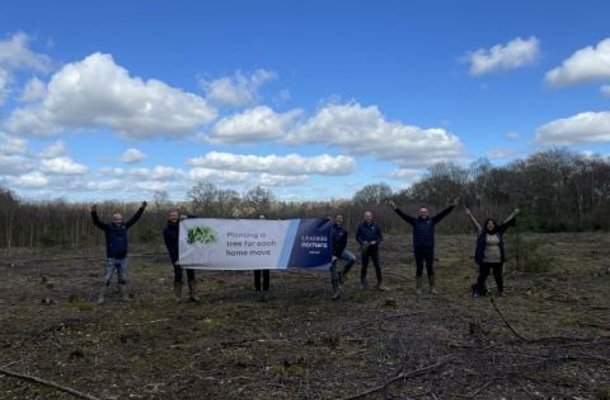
(171, 235)
(423, 241)
(116, 248)
(338, 236)
(369, 235)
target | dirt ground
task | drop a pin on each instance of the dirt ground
(300, 345)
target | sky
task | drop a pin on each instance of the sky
(109, 100)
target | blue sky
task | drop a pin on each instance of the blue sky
(116, 100)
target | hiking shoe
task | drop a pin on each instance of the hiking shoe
(363, 286)
(100, 299)
(336, 295)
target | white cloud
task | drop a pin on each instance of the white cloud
(270, 180)
(10, 145)
(158, 173)
(502, 153)
(4, 84)
(237, 90)
(605, 90)
(14, 164)
(55, 149)
(405, 173)
(34, 90)
(98, 93)
(215, 175)
(586, 64)
(292, 164)
(34, 179)
(504, 57)
(579, 128)
(15, 54)
(513, 135)
(252, 125)
(365, 131)
(132, 156)
(62, 166)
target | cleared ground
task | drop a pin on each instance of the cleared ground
(299, 344)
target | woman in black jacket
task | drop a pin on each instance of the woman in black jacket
(489, 253)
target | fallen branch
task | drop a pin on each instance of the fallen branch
(403, 375)
(508, 325)
(57, 386)
(154, 321)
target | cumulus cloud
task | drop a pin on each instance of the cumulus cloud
(11, 164)
(269, 180)
(504, 57)
(587, 64)
(502, 153)
(55, 149)
(365, 131)
(579, 128)
(237, 90)
(34, 90)
(252, 125)
(208, 174)
(10, 145)
(98, 93)
(34, 179)
(132, 156)
(405, 173)
(15, 54)
(62, 166)
(4, 84)
(292, 164)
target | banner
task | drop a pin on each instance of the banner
(245, 244)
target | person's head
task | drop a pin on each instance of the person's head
(368, 217)
(339, 219)
(490, 225)
(173, 216)
(117, 218)
(422, 212)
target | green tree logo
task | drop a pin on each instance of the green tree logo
(202, 235)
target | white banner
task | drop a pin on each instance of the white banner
(230, 244)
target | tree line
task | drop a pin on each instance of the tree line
(557, 190)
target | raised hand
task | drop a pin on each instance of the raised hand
(94, 208)
(144, 204)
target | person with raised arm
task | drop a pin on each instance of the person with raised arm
(489, 253)
(423, 241)
(170, 236)
(116, 248)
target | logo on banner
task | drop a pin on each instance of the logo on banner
(201, 235)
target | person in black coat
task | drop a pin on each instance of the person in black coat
(423, 241)
(262, 276)
(369, 236)
(116, 248)
(489, 252)
(171, 236)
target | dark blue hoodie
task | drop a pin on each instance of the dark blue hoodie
(423, 229)
(116, 235)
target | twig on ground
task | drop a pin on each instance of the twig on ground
(57, 386)
(403, 375)
(154, 321)
(508, 325)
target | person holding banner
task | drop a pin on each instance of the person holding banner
(262, 276)
(339, 243)
(116, 248)
(171, 237)
(423, 241)
(369, 235)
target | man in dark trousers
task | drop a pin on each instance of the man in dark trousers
(423, 241)
(339, 242)
(369, 236)
(116, 248)
(171, 235)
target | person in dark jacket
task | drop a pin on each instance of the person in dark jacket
(489, 253)
(369, 235)
(116, 248)
(262, 276)
(423, 241)
(171, 236)
(339, 245)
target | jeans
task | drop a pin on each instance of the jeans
(120, 264)
(424, 256)
(372, 252)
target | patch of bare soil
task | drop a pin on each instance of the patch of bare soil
(549, 337)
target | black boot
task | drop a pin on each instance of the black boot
(336, 290)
